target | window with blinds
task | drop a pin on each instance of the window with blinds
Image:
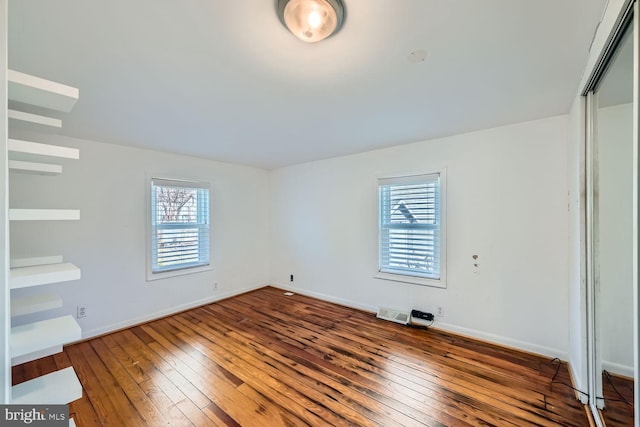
(410, 226)
(179, 225)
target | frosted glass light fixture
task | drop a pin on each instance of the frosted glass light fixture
(311, 20)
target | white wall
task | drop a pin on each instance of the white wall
(108, 185)
(506, 203)
(615, 296)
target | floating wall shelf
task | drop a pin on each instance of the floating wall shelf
(34, 168)
(50, 351)
(34, 304)
(33, 119)
(32, 90)
(28, 147)
(38, 336)
(42, 275)
(31, 261)
(44, 214)
(56, 388)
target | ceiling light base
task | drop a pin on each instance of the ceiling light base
(311, 20)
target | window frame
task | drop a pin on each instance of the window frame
(180, 271)
(407, 278)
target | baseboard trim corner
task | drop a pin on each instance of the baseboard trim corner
(114, 327)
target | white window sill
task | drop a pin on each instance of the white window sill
(174, 273)
(403, 278)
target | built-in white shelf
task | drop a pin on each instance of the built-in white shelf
(37, 91)
(39, 260)
(42, 275)
(28, 147)
(34, 168)
(30, 304)
(46, 337)
(44, 214)
(38, 336)
(33, 119)
(57, 388)
(36, 355)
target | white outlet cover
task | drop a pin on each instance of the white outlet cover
(81, 312)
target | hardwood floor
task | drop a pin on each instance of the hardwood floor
(618, 394)
(265, 359)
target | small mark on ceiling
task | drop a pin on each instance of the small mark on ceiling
(417, 55)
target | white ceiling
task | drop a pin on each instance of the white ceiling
(225, 80)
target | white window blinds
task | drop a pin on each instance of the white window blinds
(410, 220)
(179, 225)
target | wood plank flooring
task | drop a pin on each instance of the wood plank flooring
(618, 394)
(266, 359)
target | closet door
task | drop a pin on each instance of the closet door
(612, 230)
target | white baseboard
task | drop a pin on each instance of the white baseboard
(163, 313)
(472, 333)
(618, 369)
(328, 298)
(504, 341)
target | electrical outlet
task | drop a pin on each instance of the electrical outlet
(291, 278)
(81, 311)
(215, 286)
(440, 311)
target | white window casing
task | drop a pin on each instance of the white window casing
(179, 228)
(412, 232)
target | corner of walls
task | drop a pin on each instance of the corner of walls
(108, 185)
(324, 232)
(326, 297)
(147, 317)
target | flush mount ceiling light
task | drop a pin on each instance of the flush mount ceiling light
(311, 20)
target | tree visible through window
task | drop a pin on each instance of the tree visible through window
(180, 225)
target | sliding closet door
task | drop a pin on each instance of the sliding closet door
(612, 229)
